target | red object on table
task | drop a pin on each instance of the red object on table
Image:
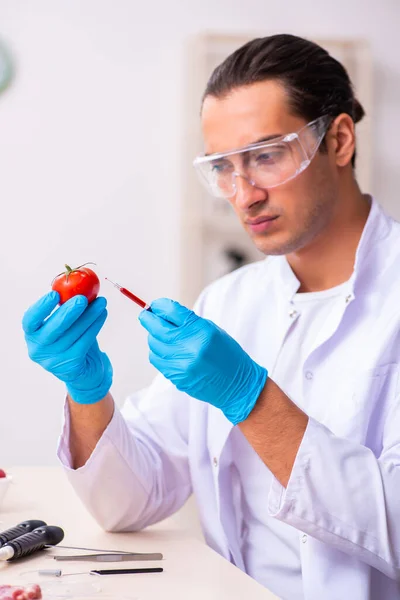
(13, 592)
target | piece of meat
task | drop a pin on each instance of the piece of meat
(13, 592)
(34, 592)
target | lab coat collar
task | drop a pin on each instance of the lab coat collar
(376, 228)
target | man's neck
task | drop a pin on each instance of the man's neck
(329, 260)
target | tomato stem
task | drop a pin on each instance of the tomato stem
(84, 264)
(69, 270)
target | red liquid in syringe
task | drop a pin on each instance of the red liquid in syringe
(129, 295)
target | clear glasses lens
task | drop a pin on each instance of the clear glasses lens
(264, 165)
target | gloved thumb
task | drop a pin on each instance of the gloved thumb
(171, 311)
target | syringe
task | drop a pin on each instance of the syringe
(31, 542)
(129, 295)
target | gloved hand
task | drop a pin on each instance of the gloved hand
(65, 344)
(202, 360)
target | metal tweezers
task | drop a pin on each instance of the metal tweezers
(106, 555)
(111, 557)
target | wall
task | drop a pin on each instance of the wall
(92, 156)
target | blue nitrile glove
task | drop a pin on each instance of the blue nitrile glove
(65, 344)
(201, 359)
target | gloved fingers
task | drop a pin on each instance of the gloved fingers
(171, 311)
(36, 314)
(162, 349)
(171, 370)
(155, 325)
(157, 362)
(61, 320)
(80, 325)
(88, 339)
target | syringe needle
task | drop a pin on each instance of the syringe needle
(114, 284)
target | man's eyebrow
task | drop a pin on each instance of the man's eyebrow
(266, 138)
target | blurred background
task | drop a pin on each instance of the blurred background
(98, 130)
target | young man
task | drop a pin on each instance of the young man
(293, 450)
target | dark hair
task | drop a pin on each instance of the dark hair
(317, 84)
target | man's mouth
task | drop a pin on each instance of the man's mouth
(261, 224)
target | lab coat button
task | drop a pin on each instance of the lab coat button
(304, 538)
(309, 375)
(215, 461)
(292, 313)
(348, 298)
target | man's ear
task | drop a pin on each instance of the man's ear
(341, 139)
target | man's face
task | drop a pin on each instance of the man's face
(297, 211)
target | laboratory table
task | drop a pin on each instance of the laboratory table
(191, 569)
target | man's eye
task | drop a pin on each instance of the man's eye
(220, 167)
(268, 157)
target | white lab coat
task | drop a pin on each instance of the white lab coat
(343, 496)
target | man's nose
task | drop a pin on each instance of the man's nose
(247, 193)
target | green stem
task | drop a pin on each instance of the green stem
(69, 271)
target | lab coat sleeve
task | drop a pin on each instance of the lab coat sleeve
(343, 495)
(138, 473)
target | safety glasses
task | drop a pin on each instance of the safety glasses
(263, 165)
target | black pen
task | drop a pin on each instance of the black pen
(126, 571)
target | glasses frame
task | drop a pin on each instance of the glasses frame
(321, 125)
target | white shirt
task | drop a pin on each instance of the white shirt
(343, 494)
(309, 313)
(270, 548)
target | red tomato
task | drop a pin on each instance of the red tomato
(74, 282)
(2, 473)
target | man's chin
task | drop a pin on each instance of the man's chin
(274, 247)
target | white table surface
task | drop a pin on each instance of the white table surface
(191, 569)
